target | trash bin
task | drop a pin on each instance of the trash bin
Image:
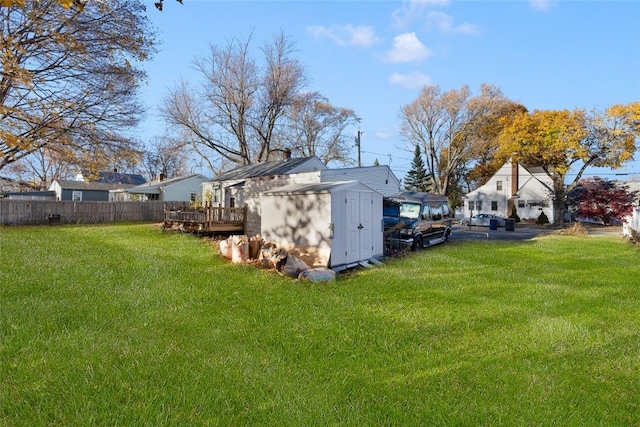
(510, 224)
(493, 224)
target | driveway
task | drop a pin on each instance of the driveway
(521, 232)
(461, 233)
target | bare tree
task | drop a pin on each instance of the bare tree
(450, 127)
(317, 128)
(240, 106)
(165, 157)
(68, 78)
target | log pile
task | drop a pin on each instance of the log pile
(240, 249)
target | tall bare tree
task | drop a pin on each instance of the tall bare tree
(449, 127)
(166, 157)
(69, 78)
(240, 107)
(317, 128)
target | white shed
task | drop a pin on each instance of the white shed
(331, 224)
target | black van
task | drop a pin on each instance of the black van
(416, 220)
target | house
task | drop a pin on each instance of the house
(94, 186)
(179, 189)
(331, 224)
(243, 185)
(29, 195)
(530, 189)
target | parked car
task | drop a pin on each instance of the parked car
(416, 220)
(484, 219)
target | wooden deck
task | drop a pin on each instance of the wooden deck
(206, 220)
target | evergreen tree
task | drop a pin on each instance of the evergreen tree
(417, 178)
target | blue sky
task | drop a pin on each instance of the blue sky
(373, 56)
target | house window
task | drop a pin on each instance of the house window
(521, 203)
(494, 206)
(153, 197)
(76, 196)
(192, 197)
(498, 186)
(232, 202)
(475, 206)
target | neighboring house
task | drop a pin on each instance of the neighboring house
(30, 195)
(180, 189)
(332, 224)
(92, 187)
(81, 191)
(530, 189)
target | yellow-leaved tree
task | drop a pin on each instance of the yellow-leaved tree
(69, 79)
(563, 141)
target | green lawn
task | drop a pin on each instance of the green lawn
(129, 325)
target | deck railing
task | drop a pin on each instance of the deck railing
(207, 218)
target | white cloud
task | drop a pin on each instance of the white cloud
(413, 80)
(346, 35)
(542, 5)
(407, 48)
(444, 23)
(413, 10)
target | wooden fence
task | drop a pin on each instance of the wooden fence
(31, 212)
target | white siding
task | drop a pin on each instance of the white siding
(181, 191)
(379, 178)
(533, 191)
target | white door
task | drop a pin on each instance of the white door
(359, 226)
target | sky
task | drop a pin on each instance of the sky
(374, 56)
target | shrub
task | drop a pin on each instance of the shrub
(576, 229)
(542, 219)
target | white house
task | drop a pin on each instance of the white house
(530, 189)
(179, 189)
(332, 224)
(242, 186)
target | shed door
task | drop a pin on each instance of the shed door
(359, 226)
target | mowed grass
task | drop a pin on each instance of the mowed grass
(130, 325)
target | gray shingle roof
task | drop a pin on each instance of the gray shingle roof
(281, 167)
(115, 178)
(86, 186)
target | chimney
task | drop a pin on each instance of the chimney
(286, 155)
(515, 185)
(160, 176)
(514, 177)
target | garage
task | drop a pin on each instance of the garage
(332, 224)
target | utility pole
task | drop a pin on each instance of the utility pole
(358, 145)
